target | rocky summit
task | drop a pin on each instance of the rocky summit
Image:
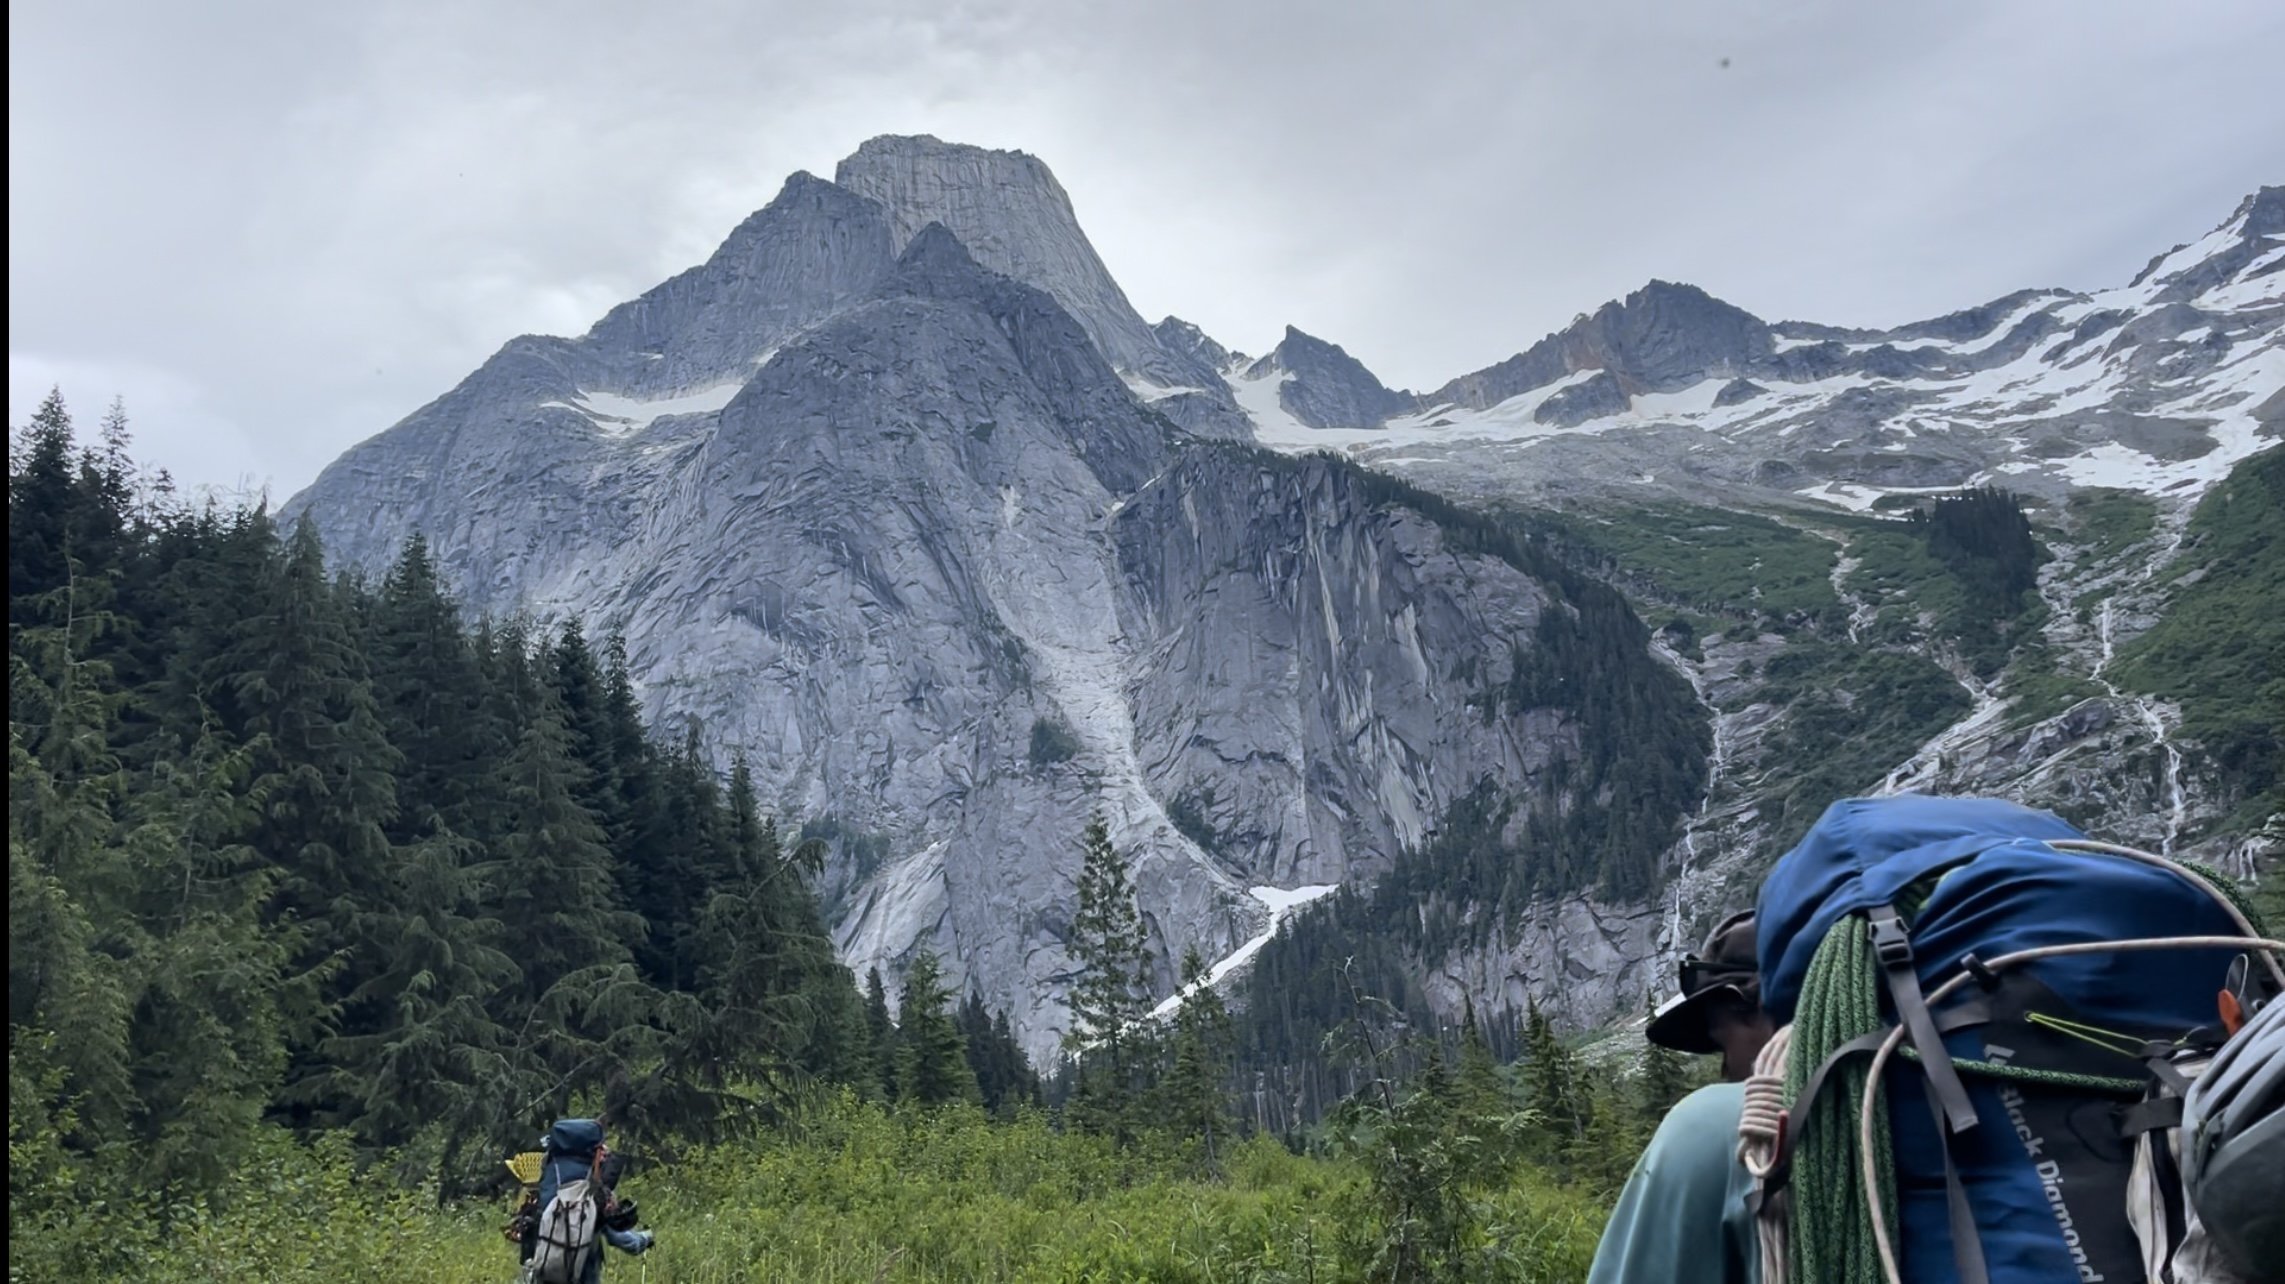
(897, 497)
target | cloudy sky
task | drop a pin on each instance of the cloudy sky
(277, 228)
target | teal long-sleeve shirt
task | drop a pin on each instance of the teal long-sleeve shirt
(1682, 1218)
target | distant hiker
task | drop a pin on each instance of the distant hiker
(1683, 1217)
(576, 1208)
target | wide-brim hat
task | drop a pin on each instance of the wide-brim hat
(1724, 970)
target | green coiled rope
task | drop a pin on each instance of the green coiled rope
(1831, 1232)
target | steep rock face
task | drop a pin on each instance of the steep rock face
(1312, 669)
(546, 419)
(931, 523)
(812, 252)
(1184, 339)
(1007, 208)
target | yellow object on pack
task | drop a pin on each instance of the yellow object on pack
(526, 1167)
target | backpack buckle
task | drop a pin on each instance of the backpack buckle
(1891, 942)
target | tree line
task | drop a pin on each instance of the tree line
(294, 848)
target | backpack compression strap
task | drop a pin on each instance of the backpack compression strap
(1948, 1104)
(1955, 1114)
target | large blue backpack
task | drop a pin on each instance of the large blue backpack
(2023, 1126)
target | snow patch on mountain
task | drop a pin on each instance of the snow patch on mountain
(620, 416)
(1274, 425)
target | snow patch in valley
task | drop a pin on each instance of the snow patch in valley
(1282, 901)
(1860, 498)
(620, 416)
(1274, 425)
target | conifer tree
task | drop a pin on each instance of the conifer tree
(584, 695)
(1022, 1081)
(41, 508)
(1197, 1082)
(1557, 1096)
(1665, 1079)
(932, 1066)
(68, 973)
(558, 899)
(217, 995)
(1108, 1000)
(429, 691)
(1480, 1089)
(1003, 1074)
(323, 765)
(757, 951)
(882, 1036)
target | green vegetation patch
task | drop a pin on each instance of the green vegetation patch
(2109, 522)
(1709, 560)
(1963, 569)
(1853, 715)
(2220, 650)
(856, 1194)
(2040, 687)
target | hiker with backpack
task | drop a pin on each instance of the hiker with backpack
(1683, 1218)
(2004, 1054)
(1990, 1025)
(577, 1209)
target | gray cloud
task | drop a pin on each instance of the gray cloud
(275, 229)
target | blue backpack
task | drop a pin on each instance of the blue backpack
(2027, 1007)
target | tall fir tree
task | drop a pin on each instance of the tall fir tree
(1196, 1088)
(1557, 1096)
(1480, 1089)
(932, 1064)
(429, 690)
(1663, 1080)
(326, 776)
(558, 901)
(881, 1032)
(1109, 999)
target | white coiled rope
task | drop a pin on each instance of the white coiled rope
(1761, 1129)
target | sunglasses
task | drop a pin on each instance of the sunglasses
(1700, 974)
